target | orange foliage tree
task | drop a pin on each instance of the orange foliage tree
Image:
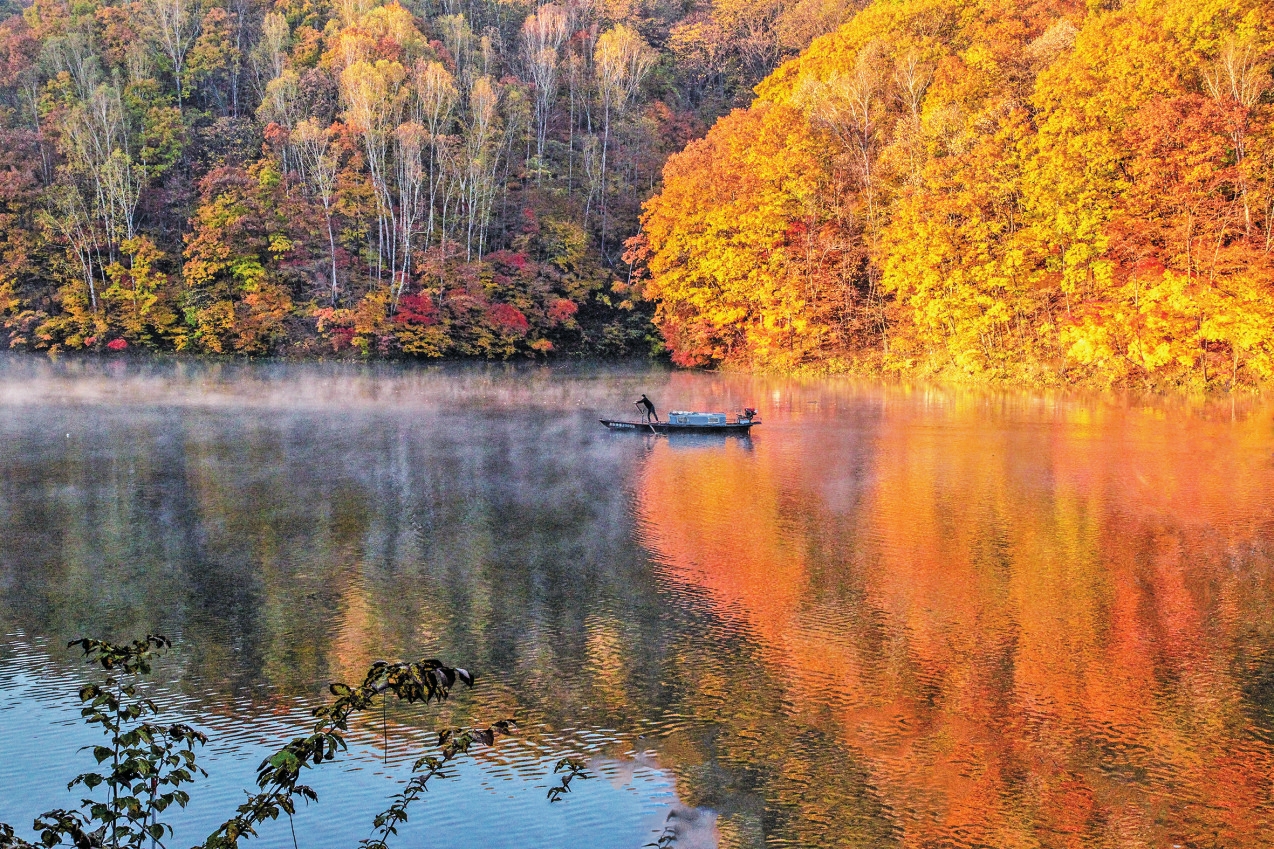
(755, 259)
(1045, 192)
(405, 147)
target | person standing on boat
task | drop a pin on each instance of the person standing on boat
(647, 407)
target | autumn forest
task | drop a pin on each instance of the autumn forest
(1038, 192)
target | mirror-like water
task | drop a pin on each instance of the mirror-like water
(892, 617)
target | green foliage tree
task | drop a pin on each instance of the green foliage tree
(144, 764)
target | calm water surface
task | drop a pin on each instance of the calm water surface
(893, 617)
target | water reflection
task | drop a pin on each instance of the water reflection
(892, 616)
(1028, 623)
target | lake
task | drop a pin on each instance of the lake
(894, 616)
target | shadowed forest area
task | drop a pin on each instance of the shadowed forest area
(305, 177)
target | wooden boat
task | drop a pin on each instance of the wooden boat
(683, 421)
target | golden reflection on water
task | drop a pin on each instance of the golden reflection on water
(1033, 622)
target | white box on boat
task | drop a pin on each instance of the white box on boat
(685, 417)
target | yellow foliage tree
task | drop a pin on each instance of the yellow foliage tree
(743, 230)
(1054, 192)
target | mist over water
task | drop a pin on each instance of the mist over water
(894, 616)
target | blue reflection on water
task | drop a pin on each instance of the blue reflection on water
(495, 800)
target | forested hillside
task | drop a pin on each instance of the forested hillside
(418, 177)
(1042, 191)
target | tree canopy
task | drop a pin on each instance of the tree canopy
(1049, 191)
(396, 177)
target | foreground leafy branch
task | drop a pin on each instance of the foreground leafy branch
(454, 742)
(145, 763)
(570, 769)
(278, 776)
(667, 838)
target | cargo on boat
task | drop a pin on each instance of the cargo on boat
(684, 421)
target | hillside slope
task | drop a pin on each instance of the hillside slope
(1044, 192)
(414, 178)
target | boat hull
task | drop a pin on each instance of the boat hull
(740, 428)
